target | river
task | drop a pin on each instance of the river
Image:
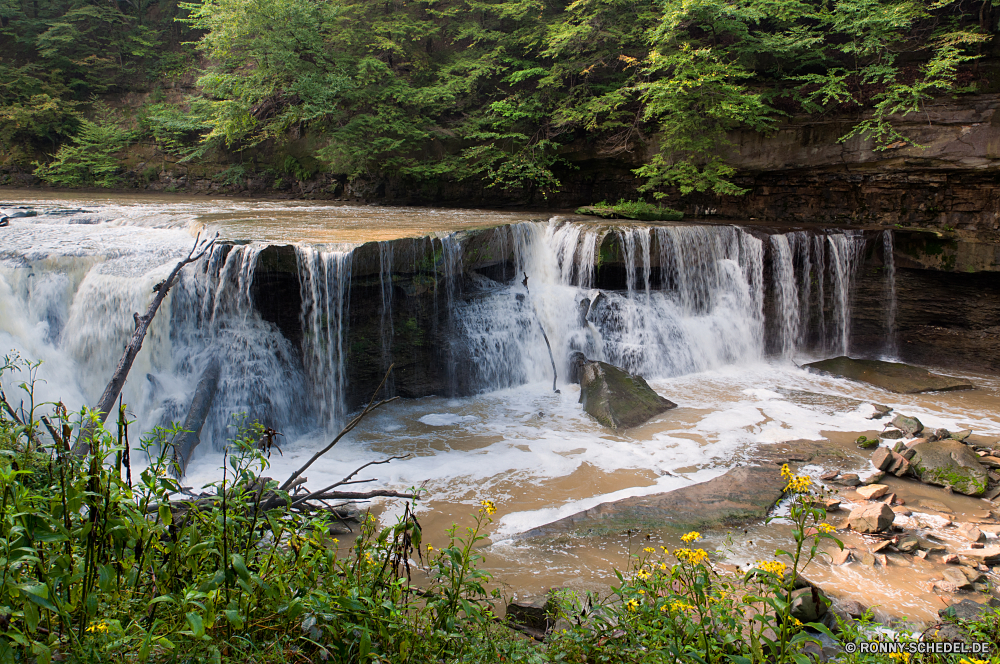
(700, 313)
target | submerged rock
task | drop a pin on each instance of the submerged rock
(616, 398)
(949, 463)
(892, 376)
(743, 494)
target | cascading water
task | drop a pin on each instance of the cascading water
(786, 294)
(889, 265)
(325, 287)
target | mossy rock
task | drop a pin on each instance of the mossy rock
(949, 463)
(640, 212)
(618, 399)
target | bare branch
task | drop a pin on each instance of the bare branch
(114, 388)
(347, 429)
(346, 480)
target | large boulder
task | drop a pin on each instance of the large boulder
(949, 463)
(892, 376)
(618, 399)
(871, 518)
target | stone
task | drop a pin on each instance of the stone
(971, 573)
(949, 463)
(969, 609)
(990, 461)
(907, 454)
(898, 446)
(945, 586)
(900, 466)
(892, 376)
(829, 475)
(891, 434)
(890, 499)
(743, 494)
(534, 612)
(808, 604)
(873, 518)
(881, 545)
(987, 556)
(908, 425)
(872, 491)
(841, 557)
(950, 559)
(874, 478)
(866, 443)
(955, 577)
(851, 609)
(942, 433)
(880, 411)
(850, 479)
(882, 458)
(618, 399)
(916, 441)
(908, 544)
(829, 504)
(971, 533)
(961, 435)
(902, 511)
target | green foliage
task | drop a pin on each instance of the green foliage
(176, 131)
(631, 210)
(91, 159)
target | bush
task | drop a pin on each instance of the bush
(91, 160)
(623, 209)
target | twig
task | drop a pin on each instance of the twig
(346, 480)
(10, 411)
(347, 429)
(52, 432)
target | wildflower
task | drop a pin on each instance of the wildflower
(678, 605)
(98, 627)
(691, 537)
(796, 622)
(643, 574)
(905, 657)
(796, 483)
(641, 591)
(825, 528)
(663, 567)
(429, 548)
(488, 507)
(649, 549)
(632, 605)
(693, 556)
(771, 566)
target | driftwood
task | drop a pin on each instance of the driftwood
(201, 403)
(292, 493)
(104, 405)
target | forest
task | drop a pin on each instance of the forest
(493, 92)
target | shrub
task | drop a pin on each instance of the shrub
(91, 160)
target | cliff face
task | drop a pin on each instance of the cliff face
(803, 173)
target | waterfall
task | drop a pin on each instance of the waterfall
(325, 286)
(889, 265)
(385, 255)
(845, 253)
(786, 293)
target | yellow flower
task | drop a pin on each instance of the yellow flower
(905, 657)
(825, 528)
(771, 566)
(796, 622)
(632, 605)
(429, 548)
(663, 567)
(796, 483)
(649, 549)
(678, 605)
(643, 574)
(786, 472)
(691, 537)
(641, 591)
(98, 627)
(488, 507)
(971, 660)
(693, 556)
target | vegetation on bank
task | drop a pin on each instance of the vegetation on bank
(623, 209)
(502, 92)
(104, 561)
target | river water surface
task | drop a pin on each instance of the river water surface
(71, 277)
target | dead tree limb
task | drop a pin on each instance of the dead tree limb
(114, 388)
(315, 495)
(347, 429)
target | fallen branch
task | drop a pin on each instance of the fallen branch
(82, 445)
(323, 494)
(346, 430)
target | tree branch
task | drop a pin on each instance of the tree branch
(114, 388)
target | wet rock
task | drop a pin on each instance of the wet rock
(808, 604)
(744, 493)
(871, 518)
(962, 435)
(827, 476)
(908, 544)
(874, 478)
(892, 434)
(908, 425)
(866, 443)
(949, 463)
(955, 577)
(948, 632)
(971, 533)
(618, 399)
(941, 434)
(882, 458)
(829, 504)
(872, 491)
(848, 479)
(900, 466)
(841, 557)
(850, 609)
(892, 376)
(986, 556)
(972, 574)
(902, 511)
(950, 559)
(935, 505)
(880, 411)
(577, 360)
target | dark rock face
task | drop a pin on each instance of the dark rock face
(892, 376)
(742, 494)
(618, 399)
